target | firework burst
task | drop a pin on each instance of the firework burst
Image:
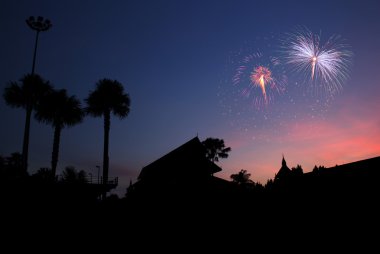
(258, 77)
(324, 66)
(262, 76)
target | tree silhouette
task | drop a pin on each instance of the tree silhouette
(11, 167)
(26, 95)
(43, 174)
(318, 169)
(107, 98)
(242, 177)
(297, 171)
(215, 149)
(59, 110)
(71, 175)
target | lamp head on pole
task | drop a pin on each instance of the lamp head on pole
(38, 24)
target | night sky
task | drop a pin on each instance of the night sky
(177, 60)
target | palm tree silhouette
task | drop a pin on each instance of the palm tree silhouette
(108, 97)
(59, 110)
(26, 95)
(242, 177)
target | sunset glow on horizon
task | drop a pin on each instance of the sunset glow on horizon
(349, 136)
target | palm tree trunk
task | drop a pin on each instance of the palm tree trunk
(54, 155)
(25, 146)
(107, 124)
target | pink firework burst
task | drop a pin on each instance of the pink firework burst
(262, 76)
(259, 78)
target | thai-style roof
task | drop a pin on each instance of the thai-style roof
(284, 170)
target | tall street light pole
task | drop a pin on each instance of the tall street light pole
(39, 25)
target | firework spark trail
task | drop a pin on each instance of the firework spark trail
(261, 76)
(313, 62)
(327, 64)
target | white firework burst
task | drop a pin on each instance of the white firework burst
(325, 66)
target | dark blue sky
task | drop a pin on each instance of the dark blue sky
(174, 59)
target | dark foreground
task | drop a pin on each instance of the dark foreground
(337, 219)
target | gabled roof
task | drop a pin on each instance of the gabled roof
(187, 160)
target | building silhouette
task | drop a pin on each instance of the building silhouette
(183, 173)
(284, 171)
